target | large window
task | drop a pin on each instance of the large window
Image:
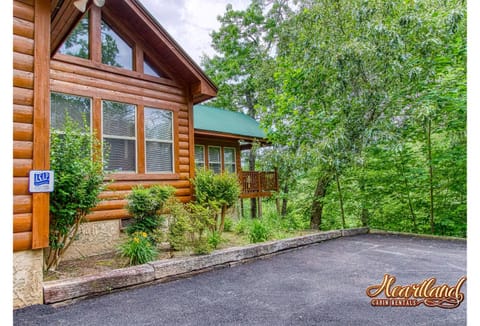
(158, 140)
(77, 108)
(77, 43)
(200, 157)
(115, 51)
(214, 159)
(119, 136)
(229, 159)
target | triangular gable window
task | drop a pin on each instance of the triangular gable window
(115, 51)
(77, 43)
(149, 70)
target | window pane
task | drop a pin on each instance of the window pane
(149, 70)
(76, 107)
(115, 51)
(215, 167)
(121, 154)
(214, 162)
(228, 155)
(214, 154)
(77, 42)
(199, 156)
(119, 136)
(158, 124)
(159, 157)
(229, 159)
(118, 119)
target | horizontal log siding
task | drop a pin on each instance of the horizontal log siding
(81, 78)
(23, 44)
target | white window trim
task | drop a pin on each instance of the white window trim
(120, 137)
(172, 142)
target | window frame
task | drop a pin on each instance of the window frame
(126, 40)
(135, 139)
(171, 142)
(234, 162)
(214, 162)
(203, 162)
(67, 94)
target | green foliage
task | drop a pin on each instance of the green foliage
(145, 205)
(74, 157)
(138, 248)
(259, 231)
(228, 227)
(216, 191)
(188, 226)
(214, 239)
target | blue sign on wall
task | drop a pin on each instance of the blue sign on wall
(41, 181)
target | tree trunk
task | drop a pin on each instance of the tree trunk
(340, 197)
(317, 204)
(253, 201)
(285, 200)
(430, 170)
(222, 218)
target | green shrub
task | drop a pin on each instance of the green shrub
(179, 227)
(79, 179)
(242, 226)
(138, 249)
(228, 226)
(188, 226)
(145, 204)
(259, 231)
(214, 239)
(216, 191)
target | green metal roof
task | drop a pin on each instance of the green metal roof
(217, 120)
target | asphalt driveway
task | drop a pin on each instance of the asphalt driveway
(323, 284)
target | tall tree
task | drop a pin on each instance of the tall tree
(243, 42)
(350, 68)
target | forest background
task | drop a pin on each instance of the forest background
(364, 103)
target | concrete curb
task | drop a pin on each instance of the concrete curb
(425, 236)
(69, 290)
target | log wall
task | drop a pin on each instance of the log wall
(23, 103)
(79, 77)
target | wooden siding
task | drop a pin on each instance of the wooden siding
(81, 77)
(23, 100)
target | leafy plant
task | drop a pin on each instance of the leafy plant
(188, 225)
(145, 204)
(138, 249)
(216, 191)
(214, 239)
(228, 226)
(259, 231)
(79, 179)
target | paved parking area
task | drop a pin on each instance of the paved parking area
(323, 284)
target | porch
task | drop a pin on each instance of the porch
(257, 184)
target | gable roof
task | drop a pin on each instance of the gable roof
(210, 119)
(64, 18)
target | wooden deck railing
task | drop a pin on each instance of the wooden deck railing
(258, 184)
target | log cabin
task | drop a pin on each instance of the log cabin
(137, 89)
(116, 65)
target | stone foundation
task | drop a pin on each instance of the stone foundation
(94, 238)
(27, 278)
